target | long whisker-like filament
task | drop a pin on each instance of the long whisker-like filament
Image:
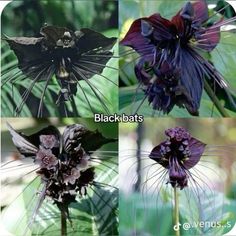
(79, 73)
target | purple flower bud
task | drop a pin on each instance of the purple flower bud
(49, 141)
(74, 175)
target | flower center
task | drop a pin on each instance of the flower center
(46, 160)
(177, 145)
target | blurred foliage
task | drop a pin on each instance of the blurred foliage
(148, 212)
(28, 16)
(96, 214)
(148, 216)
(223, 57)
(25, 18)
(219, 131)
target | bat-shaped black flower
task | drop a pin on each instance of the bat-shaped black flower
(64, 160)
(180, 43)
(70, 56)
(178, 154)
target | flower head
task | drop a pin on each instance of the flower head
(49, 141)
(177, 42)
(70, 56)
(46, 159)
(72, 177)
(177, 154)
(65, 170)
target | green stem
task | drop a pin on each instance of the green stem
(63, 224)
(177, 232)
(215, 100)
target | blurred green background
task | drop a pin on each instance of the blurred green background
(146, 201)
(96, 214)
(223, 57)
(25, 18)
(28, 16)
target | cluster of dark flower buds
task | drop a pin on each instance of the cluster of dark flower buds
(64, 160)
(165, 91)
(178, 153)
(171, 68)
(64, 175)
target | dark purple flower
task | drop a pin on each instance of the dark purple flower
(64, 160)
(72, 177)
(70, 56)
(177, 42)
(165, 91)
(178, 154)
(46, 159)
(49, 141)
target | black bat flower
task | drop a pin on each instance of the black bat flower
(180, 43)
(178, 154)
(64, 160)
(70, 56)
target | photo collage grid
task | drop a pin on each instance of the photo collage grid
(118, 118)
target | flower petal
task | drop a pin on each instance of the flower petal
(157, 156)
(137, 41)
(197, 148)
(43, 137)
(191, 76)
(200, 12)
(46, 159)
(75, 135)
(22, 143)
(92, 40)
(163, 28)
(209, 38)
(140, 32)
(53, 34)
(178, 21)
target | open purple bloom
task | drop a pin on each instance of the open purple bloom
(178, 154)
(177, 42)
(72, 177)
(49, 141)
(46, 159)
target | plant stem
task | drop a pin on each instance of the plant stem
(215, 100)
(63, 224)
(177, 232)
